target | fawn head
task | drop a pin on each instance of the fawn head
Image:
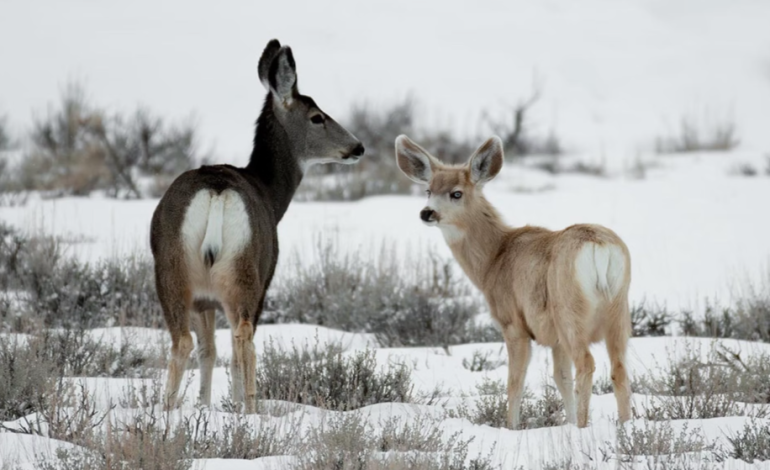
(453, 191)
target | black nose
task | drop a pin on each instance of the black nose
(426, 214)
(358, 151)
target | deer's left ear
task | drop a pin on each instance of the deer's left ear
(487, 161)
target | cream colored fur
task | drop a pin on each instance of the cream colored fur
(563, 289)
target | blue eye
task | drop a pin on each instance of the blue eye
(456, 195)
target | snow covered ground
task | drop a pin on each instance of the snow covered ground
(432, 367)
(695, 231)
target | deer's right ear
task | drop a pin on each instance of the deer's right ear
(416, 163)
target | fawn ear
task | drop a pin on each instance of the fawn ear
(416, 163)
(487, 161)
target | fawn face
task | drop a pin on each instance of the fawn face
(452, 190)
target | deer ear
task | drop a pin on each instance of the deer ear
(487, 161)
(416, 163)
(271, 50)
(282, 75)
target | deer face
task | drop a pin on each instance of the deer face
(453, 191)
(313, 135)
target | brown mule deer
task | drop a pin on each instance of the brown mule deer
(214, 236)
(565, 289)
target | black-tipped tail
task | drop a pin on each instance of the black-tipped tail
(209, 257)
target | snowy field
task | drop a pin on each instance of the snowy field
(615, 76)
(695, 232)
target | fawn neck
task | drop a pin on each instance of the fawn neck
(477, 239)
(272, 161)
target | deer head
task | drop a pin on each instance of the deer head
(454, 191)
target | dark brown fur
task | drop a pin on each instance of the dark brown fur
(239, 208)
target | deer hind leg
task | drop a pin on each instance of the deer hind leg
(181, 346)
(584, 366)
(235, 373)
(176, 303)
(205, 328)
(562, 375)
(240, 307)
(519, 349)
(617, 341)
(243, 347)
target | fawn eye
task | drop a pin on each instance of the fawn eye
(456, 195)
(317, 119)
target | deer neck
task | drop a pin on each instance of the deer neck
(272, 161)
(476, 240)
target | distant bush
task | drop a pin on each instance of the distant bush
(54, 290)
(659, 446)
(481, 361)
(417, 304)
(240, 437)
(699, 136)
(27, 380)
(556, 165)
(5, 137)
(150, 438)
(347, 442)
(752, 444)
(689, 387)
(515, 130)
(8, 183)
(602, 385)
(78, 148)
(649, 320)
(744, 169)
(491, 407)
(323, 376)
(34, 366)
(412, 305)
(749, 319)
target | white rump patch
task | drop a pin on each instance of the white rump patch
(216, 224)
(600, 270)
